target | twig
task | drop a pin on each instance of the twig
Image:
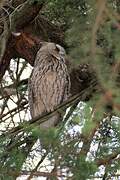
(107, 159)
(35, 169)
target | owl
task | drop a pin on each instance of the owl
(49, 84)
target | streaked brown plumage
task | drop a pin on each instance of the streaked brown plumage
(49, 84)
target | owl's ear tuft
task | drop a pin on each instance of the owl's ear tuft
(57, 47)
(60, 49)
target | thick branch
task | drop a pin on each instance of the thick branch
(36, 173)
(8, 55)
(24, 14)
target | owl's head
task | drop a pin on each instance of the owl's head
(53, 49)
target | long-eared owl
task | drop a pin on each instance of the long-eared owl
(49, 84)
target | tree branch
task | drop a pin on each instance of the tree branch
(107, 159)
(24, 14)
